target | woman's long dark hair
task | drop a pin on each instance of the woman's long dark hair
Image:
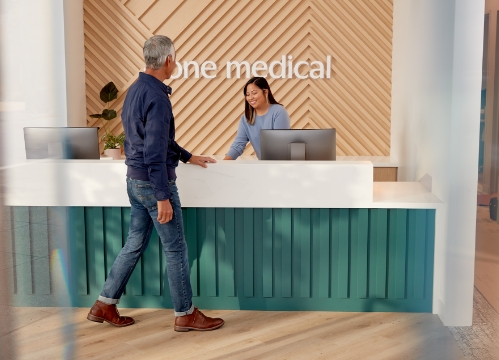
(249, 112)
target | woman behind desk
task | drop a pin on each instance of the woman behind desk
(261, 111)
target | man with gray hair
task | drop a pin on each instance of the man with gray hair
(151, 158)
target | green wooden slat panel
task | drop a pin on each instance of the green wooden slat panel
(78, 257)
(399, 223)
(22, 246)
(248, 245)
(373, 245)
(201, 235)
(125, 218)
(343, 254)
(334, 253)
(220, 246)
(315, 252)
(95, 249)
(380, 217)
(100, 269)
(8, 234)
(411, 249)
(305, 253)
(311, 244)
(362, 273)
(392, 225)
(258, 253)
(208, 258)
(268, 253)
(286, 246)
(295, 252)
(239, 252)
(354, 252)
(225, 250)
(419, 254)
(430, 253)
(113, 235)
(323, 240)
(211, 243)
(230, 289)
(191, 236)
(40, 250)
(277, 252)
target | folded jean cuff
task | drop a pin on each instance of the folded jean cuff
(108, 301)
(183, 313)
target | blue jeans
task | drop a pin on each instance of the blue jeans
(143, 216)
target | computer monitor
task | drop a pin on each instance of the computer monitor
(61, 142)
(295, 144)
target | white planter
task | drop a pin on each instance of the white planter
(114, 153)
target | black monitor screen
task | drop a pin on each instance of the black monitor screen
(295, 144)
(61, 143)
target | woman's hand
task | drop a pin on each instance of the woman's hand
(227, 157)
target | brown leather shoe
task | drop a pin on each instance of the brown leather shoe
(101, 312)
(197, 321)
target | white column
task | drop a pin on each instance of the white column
(437, 53)
(463, 162)
(33, 71)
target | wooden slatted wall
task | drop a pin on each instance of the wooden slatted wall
(357, 34)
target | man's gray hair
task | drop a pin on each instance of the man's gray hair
(156, 50)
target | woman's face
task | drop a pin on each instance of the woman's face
(256, 97)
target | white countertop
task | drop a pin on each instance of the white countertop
(410, 195)
(241, 183)
(377, 161)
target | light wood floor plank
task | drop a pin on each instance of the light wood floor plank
(50, 333)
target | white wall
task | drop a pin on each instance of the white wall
(75, 63)
(437, 53)
(35, 88)
(32, 72)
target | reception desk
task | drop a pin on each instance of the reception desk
(270, 235)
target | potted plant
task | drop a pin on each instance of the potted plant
(112, 143)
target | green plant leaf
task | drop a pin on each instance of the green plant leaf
(109, 92)
(108, 114)
(96, 116)
(111, 141)
(121, 139)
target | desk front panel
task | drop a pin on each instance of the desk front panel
(240, 258)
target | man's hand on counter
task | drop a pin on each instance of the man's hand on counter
(165, 211)
(201, 160)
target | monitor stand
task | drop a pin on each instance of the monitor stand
(297, 151)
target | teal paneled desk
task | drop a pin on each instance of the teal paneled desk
(377, 255)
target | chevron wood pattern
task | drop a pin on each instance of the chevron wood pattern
(357, 34)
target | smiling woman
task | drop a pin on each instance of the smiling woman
(261, 111)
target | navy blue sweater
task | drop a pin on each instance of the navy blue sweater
(150, 148)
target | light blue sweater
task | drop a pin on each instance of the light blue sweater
(276, 118)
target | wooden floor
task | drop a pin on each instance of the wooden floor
(487, 257)
(56, 333)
